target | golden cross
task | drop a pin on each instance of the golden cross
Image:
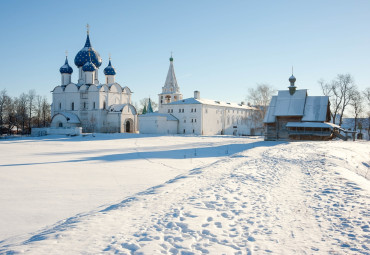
(88, 28)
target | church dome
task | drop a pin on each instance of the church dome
(109, 70)
(89, 66)
(83, 55)
(66, 68)
(292, 79)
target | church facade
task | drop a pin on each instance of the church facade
(195, 115)
(94, 106)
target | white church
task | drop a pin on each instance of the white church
(195, 115)
(94, 106)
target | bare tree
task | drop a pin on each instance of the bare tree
(347, 88)
(11, 115)
(38, 110)
(46, 118)
(31, 106)
(145, 101)
(21, 104)
(260, 98)
(4, 102)
(340, 90)
(357, 105)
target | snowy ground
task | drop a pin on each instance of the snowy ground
(122, 194)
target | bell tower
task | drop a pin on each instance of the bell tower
(170, 90)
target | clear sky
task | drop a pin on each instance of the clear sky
(220, 48)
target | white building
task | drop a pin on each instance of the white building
(89, 104)
(195, 115)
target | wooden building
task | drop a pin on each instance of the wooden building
(293, 115)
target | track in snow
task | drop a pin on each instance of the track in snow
(284, 199)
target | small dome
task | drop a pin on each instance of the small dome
(83, 55)
(109, 70)
(89, 66)
(292, 79)
(66, 68)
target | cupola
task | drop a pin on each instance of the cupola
(109, 72)
(66, 73)
(292, 87)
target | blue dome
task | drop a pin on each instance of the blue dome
(292, 78)
(66, 68)
(109, 70)
(89, 66)
(83, 55)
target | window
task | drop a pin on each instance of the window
(182, 110)
(104, 105)
(73, 106)
(179, 110)
(60, 124)
(193, 130)
(184, 121)
(184, 131)
(195, 120)
(191, 109)
(195, 109)
(60, 106)
(94, 105)
(84, 105)
(169, 110)
(192, 120)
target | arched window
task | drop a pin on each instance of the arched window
(60, 106)
(94, 105)
(73, 106)
(104, 105)
(84, 105)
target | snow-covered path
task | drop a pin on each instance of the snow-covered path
(278, 198)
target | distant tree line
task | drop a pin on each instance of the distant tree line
(20, 114)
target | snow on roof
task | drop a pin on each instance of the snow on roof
(192, 100)
(312, 124)
(315, 108)
(290, 105)
(71, 117)
(311, 108)
(156, 114)
(119, 108)
(270, 117)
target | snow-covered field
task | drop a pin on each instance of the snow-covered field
(136, 194)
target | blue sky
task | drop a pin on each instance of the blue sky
(220, 48)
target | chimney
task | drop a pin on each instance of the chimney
(196, 94)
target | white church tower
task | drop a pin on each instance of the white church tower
(170, 90)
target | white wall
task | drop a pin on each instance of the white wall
(156, 125)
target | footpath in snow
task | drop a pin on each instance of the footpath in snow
(271, 197)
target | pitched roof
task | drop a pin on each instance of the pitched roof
(156, 114)
(311, 108)
(192, 100)
(290, 105)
